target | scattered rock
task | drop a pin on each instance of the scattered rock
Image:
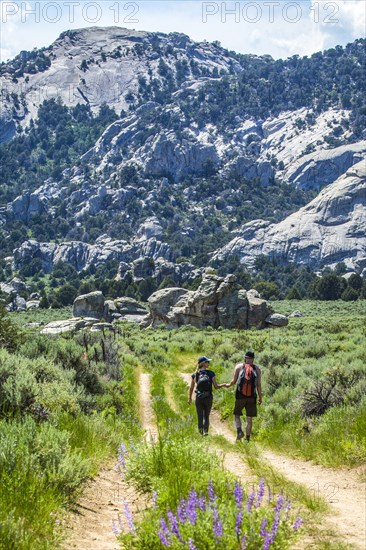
(296, 313)
(276, 320)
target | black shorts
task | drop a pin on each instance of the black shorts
(247, 403)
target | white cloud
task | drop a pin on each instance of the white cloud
(256, 28)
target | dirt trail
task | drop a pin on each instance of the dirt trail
(90, 526)
(147, 414)
(342, 490)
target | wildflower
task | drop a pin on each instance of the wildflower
(181, 511)
(250, 501)
(211, 491)
(155, 499)
(238, 494)
(191, 545)
(163, 539)
(129, 518)
(192, 507)
(174, 525)
(263, 531)
(201, 503)
(244, 543)
(115, 529)
(239, 519)
(296, 526)
(217, 524)
(260, 493)
(276, 520)
(122, 452)
(267, 542)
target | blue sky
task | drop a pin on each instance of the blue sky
(280, 28)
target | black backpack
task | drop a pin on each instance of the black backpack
(203, 382)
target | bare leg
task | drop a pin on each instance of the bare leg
(237, 420)
(249, 426)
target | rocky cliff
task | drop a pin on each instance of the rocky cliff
(330, 229)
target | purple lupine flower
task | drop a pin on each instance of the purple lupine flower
(181, 511)
(163, 526)
(260, 494)
(211, 491)
(250, 501)
(115, 529)
(238, 494)
(276, 520)
(122, 452)
(287, 507)
(217, 524)
(269, 494)
(296, 526)
(164, 533)
(267, 542)
(163, 538)
(191, 545)
(129, 517)
(263, 531)
(192, 507)
(174, 525)
(243, 543)
(239, 519)
(201, 503)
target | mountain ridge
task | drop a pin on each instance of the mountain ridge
(224, 142)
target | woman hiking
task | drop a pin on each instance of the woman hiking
(203, 379)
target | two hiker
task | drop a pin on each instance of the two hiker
(246, 376)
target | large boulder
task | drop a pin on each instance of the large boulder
(161, 302)
(217, 302)
(89, 305)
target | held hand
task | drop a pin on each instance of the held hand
(259, 401)
(227, 385)
(189, 400)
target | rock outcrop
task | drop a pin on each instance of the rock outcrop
(89, 305)
(218, 302)
(95, 306)
(330, 229)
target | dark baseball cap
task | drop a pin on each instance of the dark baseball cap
(203, 359)
(249, 354)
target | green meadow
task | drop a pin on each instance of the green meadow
(69, 405)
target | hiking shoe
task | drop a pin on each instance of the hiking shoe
(240, 434)
(205, 432)
(247, 437)
(201, 431)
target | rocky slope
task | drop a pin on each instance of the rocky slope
(97, 65)
(175, 162)
(330, 229)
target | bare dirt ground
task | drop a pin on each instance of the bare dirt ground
(342, 490)
(147, 414)
(89, 527)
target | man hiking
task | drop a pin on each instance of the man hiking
(247, 377)
(203, 379)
